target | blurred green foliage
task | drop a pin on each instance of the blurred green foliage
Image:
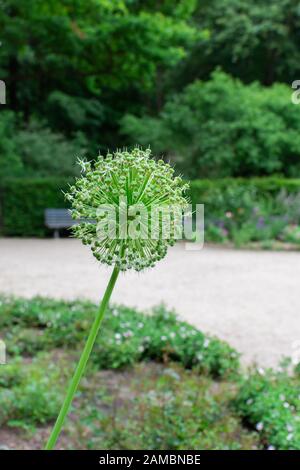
(88, 75)
(244, 210)
(128, 335)
(36, 150)
(31, 393)
(224, 128)
(249, 39)
(77, 66)
(171, 408)
(193, 393)
(269, 402)
(23, 202)
(236, 209)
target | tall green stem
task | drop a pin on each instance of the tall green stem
(82, 362)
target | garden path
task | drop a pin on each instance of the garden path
(249, 298)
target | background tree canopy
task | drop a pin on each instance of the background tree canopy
(88, 75)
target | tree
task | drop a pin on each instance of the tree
(250, 39)
(101, 56)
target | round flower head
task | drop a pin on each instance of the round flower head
(129, 207)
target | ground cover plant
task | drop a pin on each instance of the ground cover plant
(269, 401)
(154, 381)
(129, 336)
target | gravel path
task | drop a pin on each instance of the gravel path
(249, 298)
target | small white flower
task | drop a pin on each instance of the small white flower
(286, 405)
(172, 373)
(289, 428)
(271, 447)
(261, 371)
(118, 336)
(172, 334)
(128, 334)
(152, 394)
(282, 397)
(260, 426)
(249, 401)
(289, 437)
(140, 325)
(163, 338)
(206, 343)
(141, 349)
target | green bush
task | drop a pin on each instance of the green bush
(246, 210)
(12, 374)
(208, 191)
(223, 127)
(178, 396)
(46, 153)
(34, 150)
(23, 202)
(170, 408)
(10, 161)
(237, 209)
(270, 403)
(128, 336)
(31, 394)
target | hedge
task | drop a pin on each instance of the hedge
(23, 202)
(227, 194)
(201, 191)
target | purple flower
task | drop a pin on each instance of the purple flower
(260, 223)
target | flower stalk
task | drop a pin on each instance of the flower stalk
(82, 362)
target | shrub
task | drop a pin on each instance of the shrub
(34, 395)
(223, 127)
(128, 335)
(270, 403)
(46, 153)
(35, 150)
(169, 409)
(10, 161)
(241, 210)
(23, 202)
(12, 374)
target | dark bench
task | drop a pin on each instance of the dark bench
(57, 219)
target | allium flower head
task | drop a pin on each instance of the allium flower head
(135, 190)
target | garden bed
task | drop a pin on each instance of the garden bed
(154, 382)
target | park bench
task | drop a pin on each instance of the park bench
(57, 219)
